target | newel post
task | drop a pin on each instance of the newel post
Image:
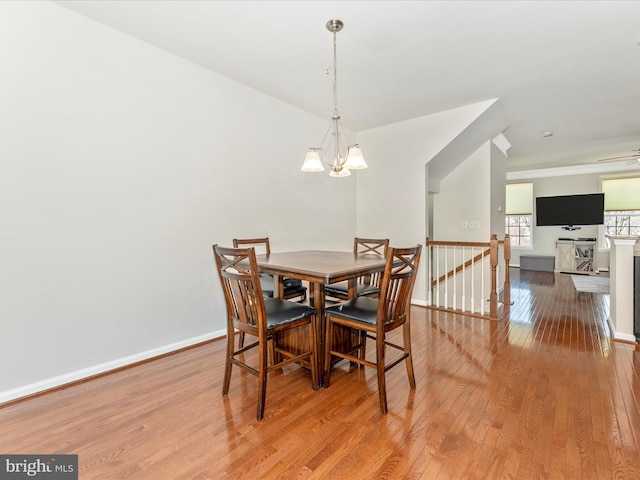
(507, 281)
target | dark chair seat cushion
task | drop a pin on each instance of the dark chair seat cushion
(292, 286)
(287, 291)
(280, 312)
(342, 288)
(293, 290)
(291, 283)
(362, 309)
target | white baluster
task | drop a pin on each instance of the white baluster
(473, 280)
(430, 275)
(464, 282)
(437, 275)
(482, 270)
(446, 277)
(455, 279)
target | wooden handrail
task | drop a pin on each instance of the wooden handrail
(447, 243)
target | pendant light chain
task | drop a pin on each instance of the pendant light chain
(337, 161)
(335, 75)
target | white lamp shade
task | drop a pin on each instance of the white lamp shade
(343, 172)
(355, 159)
(312, 161)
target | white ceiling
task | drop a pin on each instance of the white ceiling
(571, 67)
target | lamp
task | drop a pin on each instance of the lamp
(337, 143)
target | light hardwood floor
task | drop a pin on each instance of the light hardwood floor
(544, 393)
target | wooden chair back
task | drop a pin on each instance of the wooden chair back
(258, 243)
(396, 286)
(240, 281)
(371, 246)
(375, 246)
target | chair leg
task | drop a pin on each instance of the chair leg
(327, 352)
(363, 350)
(227, 362)
(380, 363)
(262, 380)
(315, 381)
(241, 340)
(406, 332)
(272, 351)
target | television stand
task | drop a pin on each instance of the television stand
(575, 256)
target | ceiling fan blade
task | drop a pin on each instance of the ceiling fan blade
(613, 159)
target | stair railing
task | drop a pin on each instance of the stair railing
(463, 276)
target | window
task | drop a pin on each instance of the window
(621, 206)
(519, 229)
(622, 222)
(519, 213)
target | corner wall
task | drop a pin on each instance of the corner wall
(393, 198)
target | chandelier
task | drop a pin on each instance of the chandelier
(344, 156)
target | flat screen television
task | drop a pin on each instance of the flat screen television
(570, 210)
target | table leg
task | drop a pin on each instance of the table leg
(317, 300)
(353, 293)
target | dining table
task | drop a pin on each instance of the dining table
(319, 268)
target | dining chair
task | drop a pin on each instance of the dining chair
(293, 287)
(374, 318)
(366, 285)
(250, 313)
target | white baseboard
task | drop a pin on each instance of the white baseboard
(625, 337)
(74, 376)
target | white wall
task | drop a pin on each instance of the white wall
(452, 207)
(121, 165)
(498, 168)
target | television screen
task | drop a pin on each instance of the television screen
(570, 210)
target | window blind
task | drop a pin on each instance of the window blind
(621, 194)
(519, 199)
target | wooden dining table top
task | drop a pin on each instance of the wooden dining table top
(320, 266)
